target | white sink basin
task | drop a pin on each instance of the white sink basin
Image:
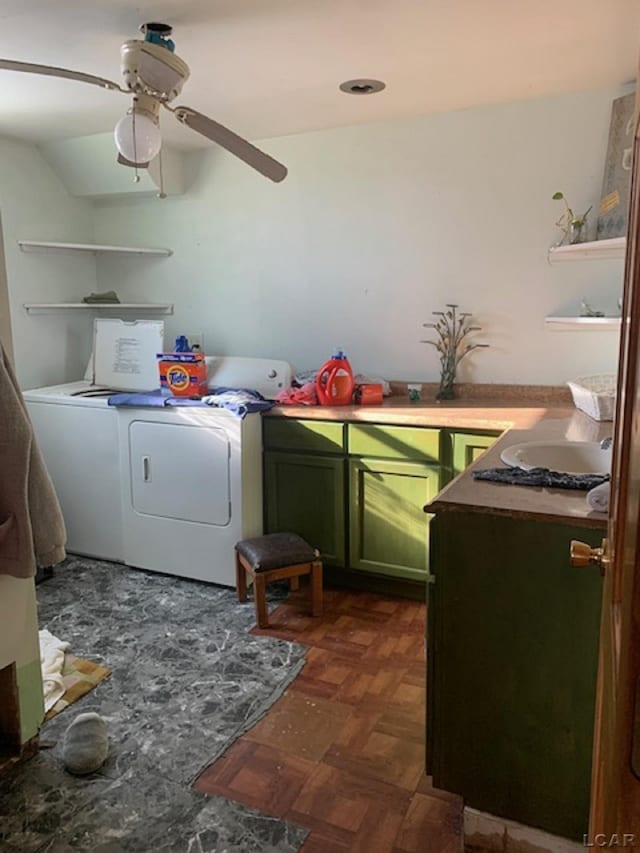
(569, 457)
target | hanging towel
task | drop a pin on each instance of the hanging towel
(51, 661)
(541, 477)
(598, 498)
(32, 530)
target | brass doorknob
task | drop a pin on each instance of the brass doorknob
(584, 555)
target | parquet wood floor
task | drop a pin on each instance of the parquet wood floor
(342, 751)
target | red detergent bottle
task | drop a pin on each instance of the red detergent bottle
(335, 383)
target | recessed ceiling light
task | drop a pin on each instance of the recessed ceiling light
(362, 86)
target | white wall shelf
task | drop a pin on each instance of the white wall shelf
(46, 307)
(595, 250)
(582, 324)
(39, 245)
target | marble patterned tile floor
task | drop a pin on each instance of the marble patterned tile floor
(187, 679)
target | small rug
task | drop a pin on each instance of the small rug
(79, 677)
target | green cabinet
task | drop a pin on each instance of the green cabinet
(305, 494)
(511, 667)
(306, 435)
(394, 442)
(357, 491)
(387, 526)
(466, 447)
(305, 491)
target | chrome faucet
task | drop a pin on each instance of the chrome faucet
(606, 443)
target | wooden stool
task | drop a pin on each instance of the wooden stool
(274, 557)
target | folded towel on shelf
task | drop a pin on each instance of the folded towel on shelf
(107, 297)
(598, 498)
(51, 661)
(541, 477)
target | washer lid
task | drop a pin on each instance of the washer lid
(124, 353)
(80, 393)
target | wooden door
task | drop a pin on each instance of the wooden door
(615, 791)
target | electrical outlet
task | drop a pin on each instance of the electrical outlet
(196, 339)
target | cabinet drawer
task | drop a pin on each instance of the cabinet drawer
(311, 435)
(394, 442)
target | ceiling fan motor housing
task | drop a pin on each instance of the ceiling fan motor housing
(153, 70)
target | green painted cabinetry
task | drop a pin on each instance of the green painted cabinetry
(357, 491)
(512, 660)
(305, 435)
(387, 527)
(466, 447)
(394, 442)
(305, 483)
(306, 494)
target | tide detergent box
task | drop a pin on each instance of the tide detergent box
(183, 374)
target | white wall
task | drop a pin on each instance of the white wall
(375, 227)
(34, 205)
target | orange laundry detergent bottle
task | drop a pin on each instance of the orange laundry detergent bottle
(335, 381)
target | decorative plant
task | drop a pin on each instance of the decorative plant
(452, 330)
(573, 227)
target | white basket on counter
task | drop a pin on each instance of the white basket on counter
(595, 395)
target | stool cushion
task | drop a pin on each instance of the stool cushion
(276, 551)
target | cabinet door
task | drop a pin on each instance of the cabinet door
(305, 495)
(388, 528)
(179, 471)
(512, 661)
(467, 447)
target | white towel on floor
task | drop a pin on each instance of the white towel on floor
(598, 498)
(51, 660)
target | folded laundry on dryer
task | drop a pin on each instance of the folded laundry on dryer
(240, 401)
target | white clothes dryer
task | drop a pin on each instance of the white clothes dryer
(191, 478)
(191, 487)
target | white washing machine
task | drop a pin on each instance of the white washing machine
(77, 432)
(78, 437)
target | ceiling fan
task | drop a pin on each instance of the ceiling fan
(154, 75)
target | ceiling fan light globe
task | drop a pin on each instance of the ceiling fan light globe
(144, 145)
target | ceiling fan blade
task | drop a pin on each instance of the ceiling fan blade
(65, 73)
(124, 162)
(235, 144)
